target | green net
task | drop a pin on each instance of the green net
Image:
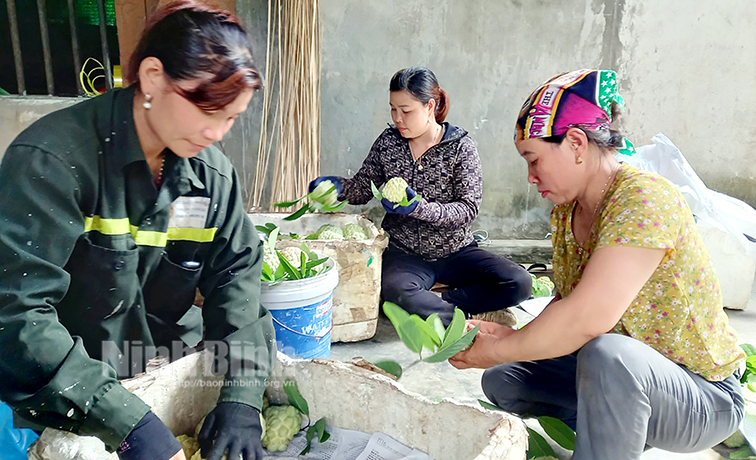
(86, 12)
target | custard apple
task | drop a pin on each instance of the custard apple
(735, 440)
(189, 444)
(270, 258)
(395, 190)
(293, 255)
(354, 232)
(283, 422)
(330, 232)
(318, 193)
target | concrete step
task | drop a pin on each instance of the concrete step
(521, 251)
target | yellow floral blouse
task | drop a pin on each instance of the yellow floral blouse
(678, 312)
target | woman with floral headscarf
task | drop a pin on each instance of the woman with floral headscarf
(635, 350)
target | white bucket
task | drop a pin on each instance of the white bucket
(303, 313)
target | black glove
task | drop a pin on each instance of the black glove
(336, 181)
(149, 440)
(394, 209)
(233, 426)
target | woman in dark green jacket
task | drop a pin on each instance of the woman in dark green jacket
(114, 211)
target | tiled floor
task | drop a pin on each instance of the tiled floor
(438, 381)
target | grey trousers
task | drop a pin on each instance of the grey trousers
(620, 395)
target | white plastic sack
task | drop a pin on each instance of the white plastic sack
(710, 207)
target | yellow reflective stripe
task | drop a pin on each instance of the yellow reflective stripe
(148, 237)
(200, 235)
(107, 226)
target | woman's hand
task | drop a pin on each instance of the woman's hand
(488, 327)
(486, 349)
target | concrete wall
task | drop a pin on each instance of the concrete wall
(686, 69)
(16, 113)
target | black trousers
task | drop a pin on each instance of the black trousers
(478, 281)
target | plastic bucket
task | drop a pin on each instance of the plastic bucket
(303, 313)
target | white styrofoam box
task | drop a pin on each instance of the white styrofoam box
(735, 268)
(356, 299)
(346, 395)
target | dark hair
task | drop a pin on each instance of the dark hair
(421, 83)
(604, 139)
(195, 41)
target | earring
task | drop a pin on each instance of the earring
(579, 160)
(147, 104)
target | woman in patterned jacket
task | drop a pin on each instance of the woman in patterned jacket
(431, 239)
(636, 349)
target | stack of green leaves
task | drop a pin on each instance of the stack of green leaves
(286, 265)
(323, 198)
(418, 334)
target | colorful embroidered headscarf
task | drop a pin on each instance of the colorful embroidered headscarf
(581, 98)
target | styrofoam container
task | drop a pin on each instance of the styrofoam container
(356, 299)
(346, 395)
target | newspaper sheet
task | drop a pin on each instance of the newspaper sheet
(349, 445)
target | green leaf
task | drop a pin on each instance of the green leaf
(267, 273)
(395, 314)
(316, 429)
(376, 193)
(303, 264)
(558, 431)
(749, 349)
(310, 253)
(538, 446)
(295, 397)
(435, 322)
(539, 290)
(411, 335)
(288, 267)
(489, 406)
(262, 229)
(456, 328)
(406, 329)
(320, 426)
(286, 204)
(428, 336)
(335, 207)
(392, 367)
(451, 349)
(299, 213)
(272, 239)
(318, 197)
(314, 263)
(280, 272)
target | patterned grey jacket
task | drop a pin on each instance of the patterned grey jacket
(448, 177)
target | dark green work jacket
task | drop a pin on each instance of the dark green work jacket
(98, 268)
